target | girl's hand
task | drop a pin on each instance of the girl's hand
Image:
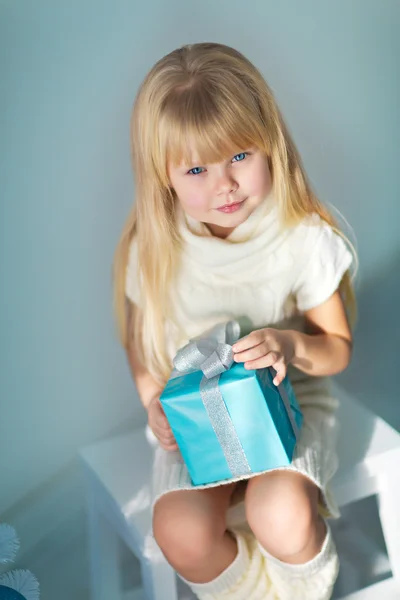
(159, 425)
(266, 348)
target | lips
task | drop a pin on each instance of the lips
(229, 208)
(230, 204)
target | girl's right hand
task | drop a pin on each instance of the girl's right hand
(159, 425)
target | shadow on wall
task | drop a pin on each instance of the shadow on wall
(372, 376)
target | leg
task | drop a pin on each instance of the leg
(300, 557)
(282, 511)
(190, 529)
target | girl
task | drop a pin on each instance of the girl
(225, 225)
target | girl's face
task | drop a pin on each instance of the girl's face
(224, 194)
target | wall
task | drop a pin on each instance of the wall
(69, 74)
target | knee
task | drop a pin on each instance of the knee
(283, 517)
(185, 536)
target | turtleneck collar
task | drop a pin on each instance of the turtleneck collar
(203, 248)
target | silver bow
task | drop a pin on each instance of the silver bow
(212, 354)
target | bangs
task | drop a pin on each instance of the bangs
(204, 127)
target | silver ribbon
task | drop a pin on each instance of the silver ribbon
(212, 354)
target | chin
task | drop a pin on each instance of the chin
(238, 218)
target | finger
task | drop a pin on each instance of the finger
(168, 445)
(281, 370)
(252, 353)
(169, 448)
(157, 422)
(158, 426)
(162, 422)
(253, 339)
(264, 361)
(166, 436)
(167, 440)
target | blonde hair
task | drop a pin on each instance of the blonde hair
(210, 93)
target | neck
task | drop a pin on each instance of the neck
(218, 231)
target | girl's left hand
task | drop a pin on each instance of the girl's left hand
(266, 348)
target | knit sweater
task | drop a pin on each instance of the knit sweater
(261, 274)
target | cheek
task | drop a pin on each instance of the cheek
(259, 180)
(194, 200)
(192, 197)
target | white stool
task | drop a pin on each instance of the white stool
(118, 473)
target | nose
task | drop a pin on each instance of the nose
(225, 184)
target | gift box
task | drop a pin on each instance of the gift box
(228, 421)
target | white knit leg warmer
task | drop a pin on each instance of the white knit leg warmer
(244, 579)
(313, 580)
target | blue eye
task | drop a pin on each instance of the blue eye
(196, 171)
(239, 157)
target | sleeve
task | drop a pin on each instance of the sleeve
(328, 258)
(132, 283)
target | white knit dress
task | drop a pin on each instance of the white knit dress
(262, 276)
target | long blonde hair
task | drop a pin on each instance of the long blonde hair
(210, 93)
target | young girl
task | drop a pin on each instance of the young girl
(225, 225)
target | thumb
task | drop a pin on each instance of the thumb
(280, 375)
(161, 414)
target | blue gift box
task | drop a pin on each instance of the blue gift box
(248, 426)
